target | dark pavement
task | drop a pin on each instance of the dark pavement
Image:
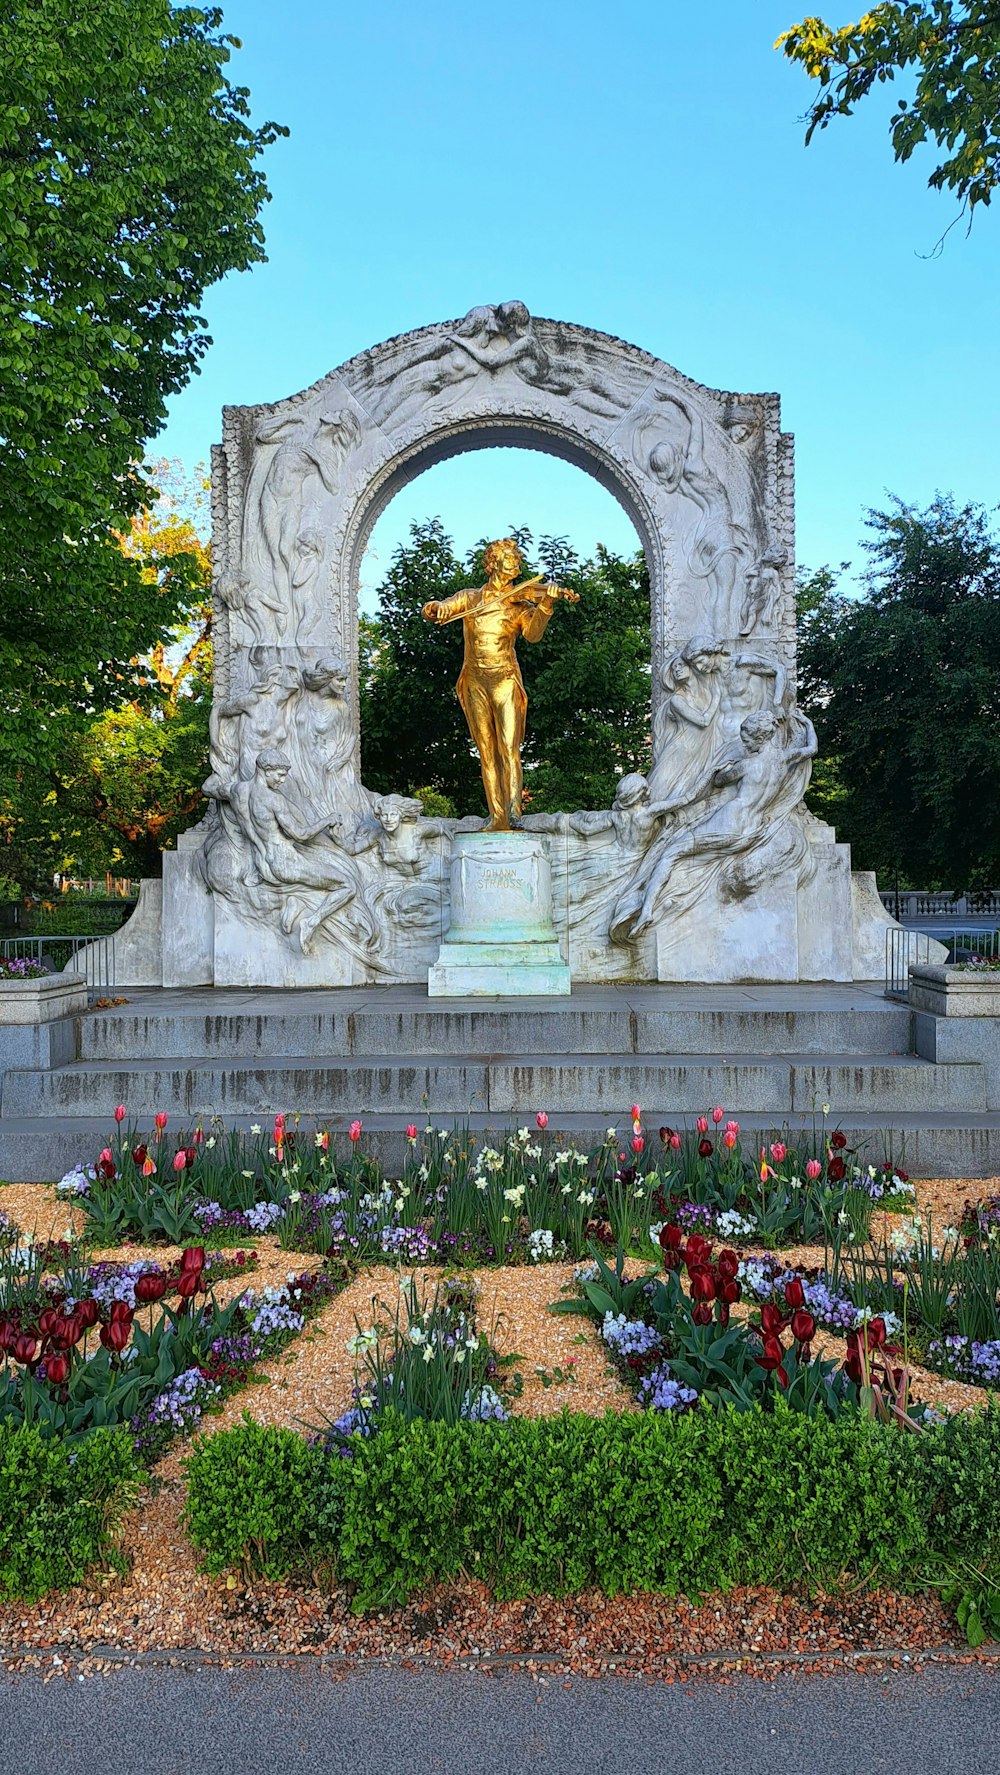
(936, 1720)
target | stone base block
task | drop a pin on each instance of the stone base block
(41, 1000)
(955, 992)
(490, 972)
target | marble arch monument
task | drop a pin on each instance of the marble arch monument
(712, 870)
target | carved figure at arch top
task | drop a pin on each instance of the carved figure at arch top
(490, 687)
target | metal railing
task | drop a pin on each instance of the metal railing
(905, 949)
(94, 957)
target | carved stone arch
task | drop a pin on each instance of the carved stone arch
(705, 476)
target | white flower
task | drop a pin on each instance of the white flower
(246, 1173)
(826, 1109)
(363, 1340)
(459, 1356)
(210, 1141)
(256, 1129)
(416, 1336)
(295, 1195)
(429, 1353)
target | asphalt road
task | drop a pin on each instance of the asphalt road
(939, 1720)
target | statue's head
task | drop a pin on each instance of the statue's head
(328, 675)
(632, 790)
(756, 730)
(703, 655)
(273, 767)
(502, 559)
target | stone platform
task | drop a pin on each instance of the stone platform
(769, 1055)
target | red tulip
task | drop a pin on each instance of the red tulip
(160, 1119)
(701, 1313)
(106, 1168)
(115, 1335)
(190, 1154)
(139, 1155)
(699, 1250)
(731, 1292)
(702, 1285)
(56, 1369)
(47, 1320)
(803, 1327)
(187, 1283)
(795, 1293)
(119, 1112)
(876, 1332)
(773, 1355)
(838, 1140)
(8, 1336)
(150, 1288)
(193, 1258)
(836, 1170)
(24, 1347)
(67, 1332)
(705, 1149)
(771, 1319)
(541, 1119)
(727, 1264)
(88, 1312)
(120, 1312)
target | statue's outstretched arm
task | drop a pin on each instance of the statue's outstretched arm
(442, 610)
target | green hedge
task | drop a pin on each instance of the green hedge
(631, 1502)
(60, 1509)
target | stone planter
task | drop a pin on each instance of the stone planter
(43, 1000)
(954, 992)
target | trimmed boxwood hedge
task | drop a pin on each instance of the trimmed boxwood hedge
(625, 1502)
(60, 1507)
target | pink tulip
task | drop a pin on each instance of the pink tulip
(148, 1167)
(119, 1112)
(411, 1130)
(732, 1127)
(198, 1135)
(542, 1119)
(160, 1119)
(729, 1138)
(324, 1141)
(105, 1158)
(702, 1124)
(355, 1130)
(778, 1151)
(637, 1143)
(717, 1115)
(636, 1113)
(180, 1160)
(675, 1142)
(813, 1169)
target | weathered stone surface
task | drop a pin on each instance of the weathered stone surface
(501, 941)
(954, 992)
(41, 1000)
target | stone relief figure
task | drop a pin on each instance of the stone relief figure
(753, 789)
(279, 837)
(686, 735)
(490, 688)
(259, 608)
(282, 539)
(762, 594)
(670, 441)
(320, 742)
(247, 721)
(449, 358)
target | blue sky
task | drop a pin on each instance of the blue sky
(639, 169)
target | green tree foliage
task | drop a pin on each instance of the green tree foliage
(952, 47)
(587, 679)
(904, 687)
(128, 779)
(128, 185)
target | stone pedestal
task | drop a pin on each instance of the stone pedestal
(501, 941)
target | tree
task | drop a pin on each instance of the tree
(128, 185)
(128, 779)
(587, 679)
(954, 48)
(904, 688)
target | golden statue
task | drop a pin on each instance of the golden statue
(490, 688)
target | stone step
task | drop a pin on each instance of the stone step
(666, 1085)
(926, 1144)
(605, 1025)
